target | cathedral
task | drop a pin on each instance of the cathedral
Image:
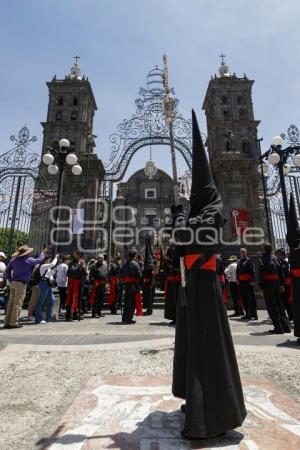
(232, 147)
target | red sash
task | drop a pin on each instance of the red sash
(210, 264)
(112, 290)
(73, 294)
(130, 280)
(271, 277)
(171, 278)
(94, 290)
(245, 277)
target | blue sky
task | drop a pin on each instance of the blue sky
(119, 41)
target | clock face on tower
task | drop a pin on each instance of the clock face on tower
(150, 169)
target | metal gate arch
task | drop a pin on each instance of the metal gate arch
(147, 127)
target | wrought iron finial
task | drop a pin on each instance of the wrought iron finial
(76, 59)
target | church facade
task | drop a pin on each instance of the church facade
(70, 115)
(233, 153)
(146, 202)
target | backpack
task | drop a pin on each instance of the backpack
(36, 275)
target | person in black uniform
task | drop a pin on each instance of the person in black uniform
(221, 276)
(205, 371)
(114, 283)
(76, 277)
(131, 275)
(173, 279)
(293, 239)
(148, 279)
(270, 280)
(98, 278)
(286, 285)
(245, 275)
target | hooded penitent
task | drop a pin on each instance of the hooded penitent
(293, 239)
(149, 261)
(205, 369)
(148, 274)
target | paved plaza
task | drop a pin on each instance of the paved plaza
(97, 384)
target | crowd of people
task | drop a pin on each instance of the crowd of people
(85, 286)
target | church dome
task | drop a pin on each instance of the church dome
(224, 70)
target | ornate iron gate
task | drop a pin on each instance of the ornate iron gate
(18, 171)
(273, 192)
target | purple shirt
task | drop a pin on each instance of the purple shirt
(20, 267)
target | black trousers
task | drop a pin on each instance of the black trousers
(275, 307)
(285, 298)
(62, 296)
(238, 309)
(248, 298)
(99, 301)
(129, 302)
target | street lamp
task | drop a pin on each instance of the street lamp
(57, 159)
(278, 157)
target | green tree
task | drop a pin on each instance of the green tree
(12, 239)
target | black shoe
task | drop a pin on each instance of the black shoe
(234, 315)
(254, 318)
(276, 331)
(148, 313)
(245, 317)
(18, 325)
(101, 315)
(129, 322)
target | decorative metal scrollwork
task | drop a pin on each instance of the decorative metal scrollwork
(292, 135)
(147, 126)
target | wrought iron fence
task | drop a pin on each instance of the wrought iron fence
(18, 171)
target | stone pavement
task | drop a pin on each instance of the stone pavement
(131, 413)
(117, 380)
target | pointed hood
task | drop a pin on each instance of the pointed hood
(177, 211)
(149, 260)
(205, 199)
(293, 230)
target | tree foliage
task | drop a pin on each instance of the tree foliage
(10, 240)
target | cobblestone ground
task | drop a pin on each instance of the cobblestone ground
(47, 369)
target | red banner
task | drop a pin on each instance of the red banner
(239, 220)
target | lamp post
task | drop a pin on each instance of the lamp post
(278, 157)
(57, 159)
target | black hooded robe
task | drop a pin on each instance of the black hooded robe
(293, 238)
(205, 370)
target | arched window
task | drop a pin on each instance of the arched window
(58, 115)
(245, 147)
(60, 100)
(227, 146)
(75, 101)
(224, 100)
(243, 114)
(73, 115)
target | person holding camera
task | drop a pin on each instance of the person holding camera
(46, 297)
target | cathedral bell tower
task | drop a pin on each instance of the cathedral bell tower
(232, 148)
(70, 115)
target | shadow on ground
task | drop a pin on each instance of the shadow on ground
(144, 436)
